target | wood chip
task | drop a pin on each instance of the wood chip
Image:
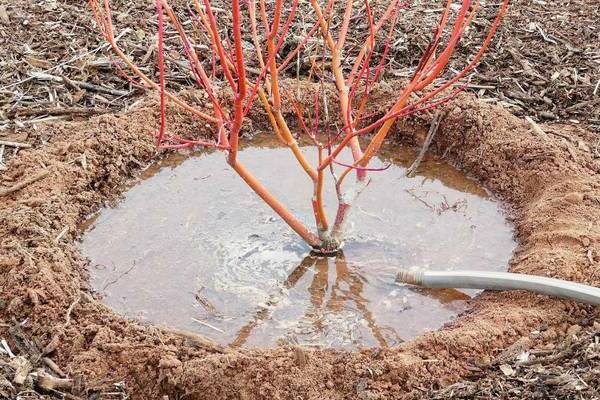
(196, 338)
(14, 144)
(4, 18)
(536, 128)
(22, 368)
(49, 382)
(53, 367)
(507, 370)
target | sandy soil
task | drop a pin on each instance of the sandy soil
(549, 183)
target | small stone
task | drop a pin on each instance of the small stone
(585, 241)
(547, 115)
(329, 385)
(573, 330)
(479, 122)
(33, 297)
(574, 198)
(169, 362)
(507, 370)
(22, 367)
(301, 357)
(4, 18)
(485, 361)
(523, 357)
(361, 385)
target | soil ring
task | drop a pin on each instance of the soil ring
(550, 185)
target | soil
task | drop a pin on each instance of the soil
(550, 184)
(51, 319)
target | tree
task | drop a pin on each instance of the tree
(353, 76)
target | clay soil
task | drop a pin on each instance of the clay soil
(61, 342)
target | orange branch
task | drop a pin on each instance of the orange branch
(104, 21)
(276, 205)
(340, 82)
(233, 64)
(241, 83)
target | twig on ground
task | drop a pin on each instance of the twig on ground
(14, 144)
(51, 346)
(61, 234)
(6, 348)
(208, 325)
(2, 166)
(536, 128)
(195, 338)
(435, 124)
(70, 311)
(24, 183)
(22, 124)
(426, 204)
(83, 111)
(49, 382)
(94, 88)
(53, 367)
(79, 84)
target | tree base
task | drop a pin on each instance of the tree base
(328, 247)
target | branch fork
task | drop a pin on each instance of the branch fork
(353, 85)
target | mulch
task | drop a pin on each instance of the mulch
(563, 368)
(544, 62)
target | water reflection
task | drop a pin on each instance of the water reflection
(347, 287)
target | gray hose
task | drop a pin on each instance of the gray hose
(501, 281)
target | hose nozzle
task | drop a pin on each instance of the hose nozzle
(410, 276)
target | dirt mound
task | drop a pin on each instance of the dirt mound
(548, 181)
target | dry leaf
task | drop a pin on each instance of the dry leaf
(507, 370)
(4, 15)
(36, 62)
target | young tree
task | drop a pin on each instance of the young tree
(353, 76)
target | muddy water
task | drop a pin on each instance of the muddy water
(192, 247)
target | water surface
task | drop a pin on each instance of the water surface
(192, 247)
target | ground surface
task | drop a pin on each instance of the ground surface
(509, 345)
(545, 62)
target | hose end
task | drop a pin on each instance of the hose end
(410, 276)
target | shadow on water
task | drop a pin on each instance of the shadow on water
(318, 291)
(348, 287)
